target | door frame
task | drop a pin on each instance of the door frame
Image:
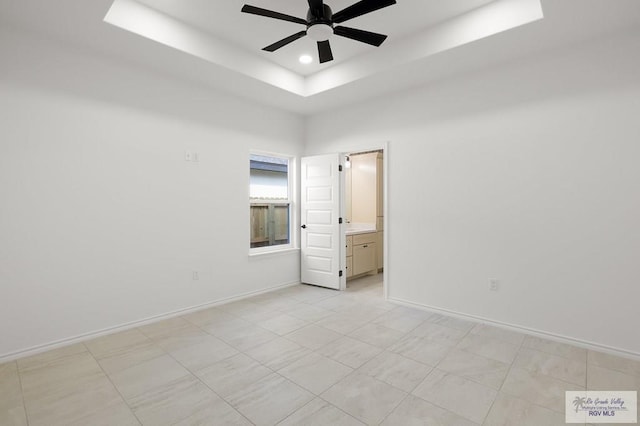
(384, 147)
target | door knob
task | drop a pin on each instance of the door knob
(304, 226)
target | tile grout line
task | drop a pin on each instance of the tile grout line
(350, 374)
(557, 356)
(315, 351)
(435, 367)
(230, 356)
(410, 392)
(445, 409)
(265, 366)
(586, 372)
(549, 352)
(114, 386)
(44, 365)
(327, 402)
(504, 380)
(394, 408)
(208, 387)
(192, 373)
(24, 405)
(152, 342)
(166, 353)
(464, 336)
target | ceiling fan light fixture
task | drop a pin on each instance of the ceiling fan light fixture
(320, 32)
(305, 59)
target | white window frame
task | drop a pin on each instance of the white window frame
(291, 170)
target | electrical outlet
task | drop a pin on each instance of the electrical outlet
(191, 156)
(494, 285)
(195, 276)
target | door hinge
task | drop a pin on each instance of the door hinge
(340, 220)
(339, 167)
(340, 273)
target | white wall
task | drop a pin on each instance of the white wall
(101, 220)
(528, 173)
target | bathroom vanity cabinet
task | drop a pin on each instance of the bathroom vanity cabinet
(362, 254)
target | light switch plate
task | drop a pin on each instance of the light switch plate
(494, 285)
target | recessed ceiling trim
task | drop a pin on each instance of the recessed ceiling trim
(485, 21)
(144, 21)
(488, 20)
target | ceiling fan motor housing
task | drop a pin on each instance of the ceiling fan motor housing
(319, 25)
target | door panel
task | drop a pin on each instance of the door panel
(320, 194)
(321, 239)
(319, 217)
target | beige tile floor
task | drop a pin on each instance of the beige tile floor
(307, 356)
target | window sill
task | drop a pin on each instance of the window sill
(276, 252)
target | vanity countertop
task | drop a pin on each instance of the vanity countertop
(360, 228)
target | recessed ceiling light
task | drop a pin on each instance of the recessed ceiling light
(305, 59)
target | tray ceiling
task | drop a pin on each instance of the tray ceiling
(220, 33)
(211, 44)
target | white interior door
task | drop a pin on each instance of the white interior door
(322, 239)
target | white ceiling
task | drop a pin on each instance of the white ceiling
(421, 48)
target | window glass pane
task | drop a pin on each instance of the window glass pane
(269, 178)
(269, 224)
(259, 225)
(281, 224)
(269, 195)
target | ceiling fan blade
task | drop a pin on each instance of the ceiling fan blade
(324, 51)
(271, 14)
(278, 44)
(373, 39)
(361, 8)
(316, 6)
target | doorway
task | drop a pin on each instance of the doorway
(328, 254)
(364, 216)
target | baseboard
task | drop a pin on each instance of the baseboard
(34, 350)
(530, 331)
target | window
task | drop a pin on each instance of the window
(270, 204)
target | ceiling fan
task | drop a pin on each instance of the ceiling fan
(321, 22)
